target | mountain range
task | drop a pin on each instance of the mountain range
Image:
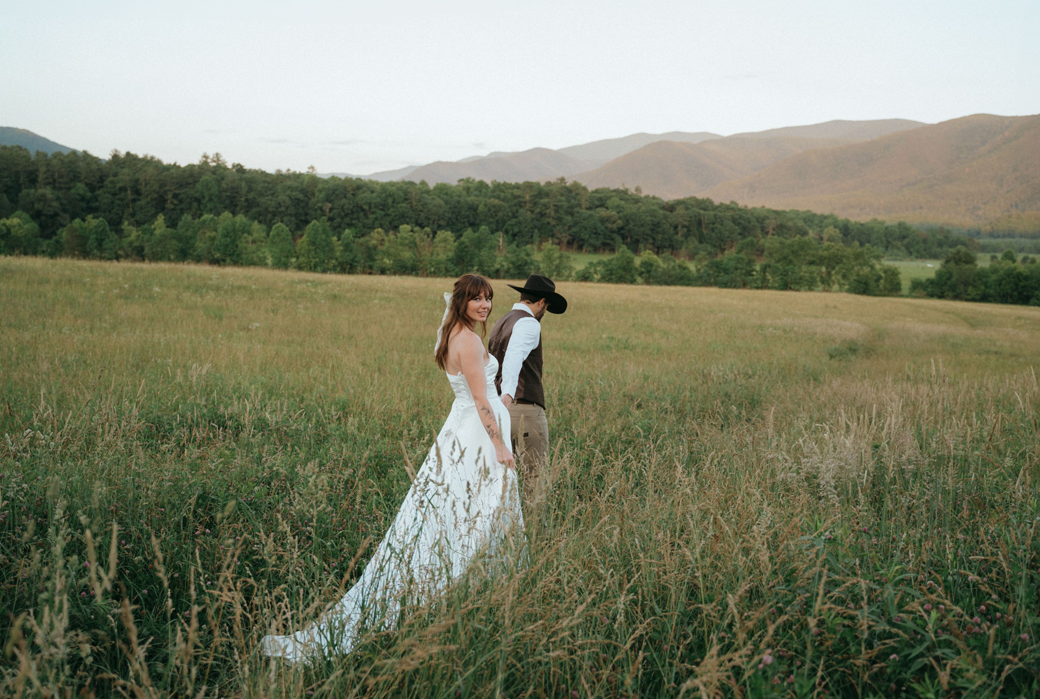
(980, 171)
(966, 172)
(584, 161)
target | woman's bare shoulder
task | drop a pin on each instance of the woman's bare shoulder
(468, 341)
(463, 345)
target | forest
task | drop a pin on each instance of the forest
(139, 208)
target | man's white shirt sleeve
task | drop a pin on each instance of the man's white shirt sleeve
(527, 332)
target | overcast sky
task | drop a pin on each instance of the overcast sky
(360, 87)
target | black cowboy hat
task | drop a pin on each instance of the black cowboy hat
(542, 287)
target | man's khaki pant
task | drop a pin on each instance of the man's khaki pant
(530, 433)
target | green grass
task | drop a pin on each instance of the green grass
(910, 270)
(581, 259)
(751, 493)
(924, 269)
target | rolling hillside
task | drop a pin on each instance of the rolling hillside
(537, 163)
(674, 170)
(11, 136)
(839, 128)
(534, 164)
(964, 172)
(607, 150)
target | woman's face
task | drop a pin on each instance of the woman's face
(477, 309)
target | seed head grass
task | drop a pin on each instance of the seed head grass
(750, 493)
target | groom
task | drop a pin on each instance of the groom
(516, 342)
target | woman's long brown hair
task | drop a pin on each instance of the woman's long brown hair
(467, 287)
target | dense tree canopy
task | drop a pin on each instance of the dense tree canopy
(127, 189)
(138, 208)
(1007, 279)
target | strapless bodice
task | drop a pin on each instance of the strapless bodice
(461, 388)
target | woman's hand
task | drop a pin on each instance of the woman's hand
(504, 456)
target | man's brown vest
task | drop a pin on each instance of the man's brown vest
(529, 386)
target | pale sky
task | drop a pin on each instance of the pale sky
(361, 87)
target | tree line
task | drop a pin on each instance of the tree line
(129, 190)
(799, 263)
(1007, 279)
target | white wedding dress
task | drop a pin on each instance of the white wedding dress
(462, 503)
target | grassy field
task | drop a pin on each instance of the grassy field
(752, 493)
(908, 269)
(914, 269)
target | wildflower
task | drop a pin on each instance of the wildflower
(982, 609)
(976, 620)
(893, 657)
(928, 607)
(1024, 637)
(767, 659)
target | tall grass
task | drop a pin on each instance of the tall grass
(751, 494)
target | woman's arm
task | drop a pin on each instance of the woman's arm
(471, 357)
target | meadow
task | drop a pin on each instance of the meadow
(910, 270)
(751, 493)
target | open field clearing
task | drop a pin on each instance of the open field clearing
(910, 270)
(752, 493)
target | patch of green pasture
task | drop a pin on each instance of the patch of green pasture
(910, 270)
(581, 259)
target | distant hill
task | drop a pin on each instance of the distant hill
(852, 130)
(611, 148)
(674, 170)
(537, 163)
(11, 136)
(534, 164)
(391, 175)
(965, 172)
(584, 160)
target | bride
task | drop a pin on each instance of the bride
(463, 501)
